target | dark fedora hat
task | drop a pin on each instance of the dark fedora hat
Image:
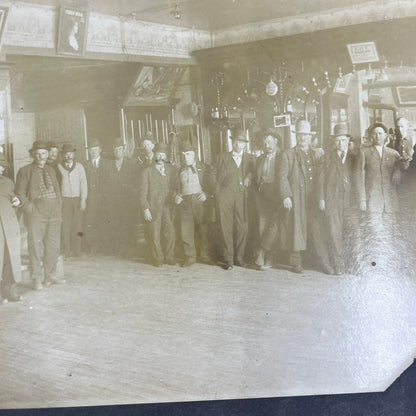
(3, 161)
(378, 124)
(240, 136)
(341, 130)
(187, 147)
(118, 142)
(37, 145)
(52, 145)
(161, 148)
(93, 143)
(68, 147)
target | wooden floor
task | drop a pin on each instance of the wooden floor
(123, 332)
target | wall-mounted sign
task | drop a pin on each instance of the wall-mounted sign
(361, 53)
(72, 36)
(281, 120)
(406, 95)
(342, 84)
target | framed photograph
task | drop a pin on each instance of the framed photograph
(3, 19)
(361, 53)
(72, 34)
(282, 120)
(342, 83)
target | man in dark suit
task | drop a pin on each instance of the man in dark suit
(234, 173)
(266, 182)
(121, 188)
(379, 173)
(39, 192)
(300, 222)
(53, 158)
(337, 198)
(157, 189)
(94, 219)
(193, 188)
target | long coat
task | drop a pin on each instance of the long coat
(337, 182)
(11, 227)
(292, 183)
(375, 179)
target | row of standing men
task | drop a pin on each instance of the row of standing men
(293, 201)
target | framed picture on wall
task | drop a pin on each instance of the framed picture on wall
(3, 19)
(72, 34)
(282, 120)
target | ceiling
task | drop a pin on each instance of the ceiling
(205, 14)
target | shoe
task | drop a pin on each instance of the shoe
(171, 262)
(53, 281)
(187, 263)
(206, 260)
(260, 258)
(338, 271)
(241, 263)
(3, 301)
(157, 264)
(37, 284)
(297, 269)
(328, 270)
(227, 266)
(14, 294)
(264, 268)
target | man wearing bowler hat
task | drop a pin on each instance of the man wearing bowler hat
(234, 172)
(74, 201)
(94, 218)
(39, 192)
(338, 199)
(157, 190)
(121, 196)
(300, 220)
(53, 158)
(193, 188)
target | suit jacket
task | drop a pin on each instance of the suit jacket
(337, 181)
(292, 183)
(123, 183)
(374, 180)
(204, 175)
(223, 170)
(95, 177)
(157, 191)
(28, 185)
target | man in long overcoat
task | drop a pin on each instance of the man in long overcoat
(300, 222)
(39, 192)
(338, 198)
(234, 173)
(157, 190)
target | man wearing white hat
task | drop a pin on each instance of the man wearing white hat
(299, 225)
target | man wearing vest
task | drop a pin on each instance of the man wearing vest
(193, 188)
(157, 190)
(74, 201)
(234, 172)
(39, 192)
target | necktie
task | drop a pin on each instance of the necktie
(342, 155)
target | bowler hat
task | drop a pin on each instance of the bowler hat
(118, 142)
(303, 127)
(37, 145)
(68, 147)
(187, 147)
(240, 136)
(161, 148)
(3, 161)
(51, 145)
(341, 130)
(93, 143)
(378, 124)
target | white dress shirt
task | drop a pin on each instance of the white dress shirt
(237, 158)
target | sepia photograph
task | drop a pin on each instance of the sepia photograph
(205, 200)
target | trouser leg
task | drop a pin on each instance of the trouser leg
(187, 229)
(225, 218)
(76, 227)
(240, 227)
(36, 230)
(67, 219)
(154, 239)
(51, 242)
(168, 234)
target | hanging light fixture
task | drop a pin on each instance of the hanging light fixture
(271, 88)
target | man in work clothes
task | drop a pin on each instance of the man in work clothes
(38, 189)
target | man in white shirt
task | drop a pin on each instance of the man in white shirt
(74, 201)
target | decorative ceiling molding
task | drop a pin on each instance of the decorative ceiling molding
(374, 11)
